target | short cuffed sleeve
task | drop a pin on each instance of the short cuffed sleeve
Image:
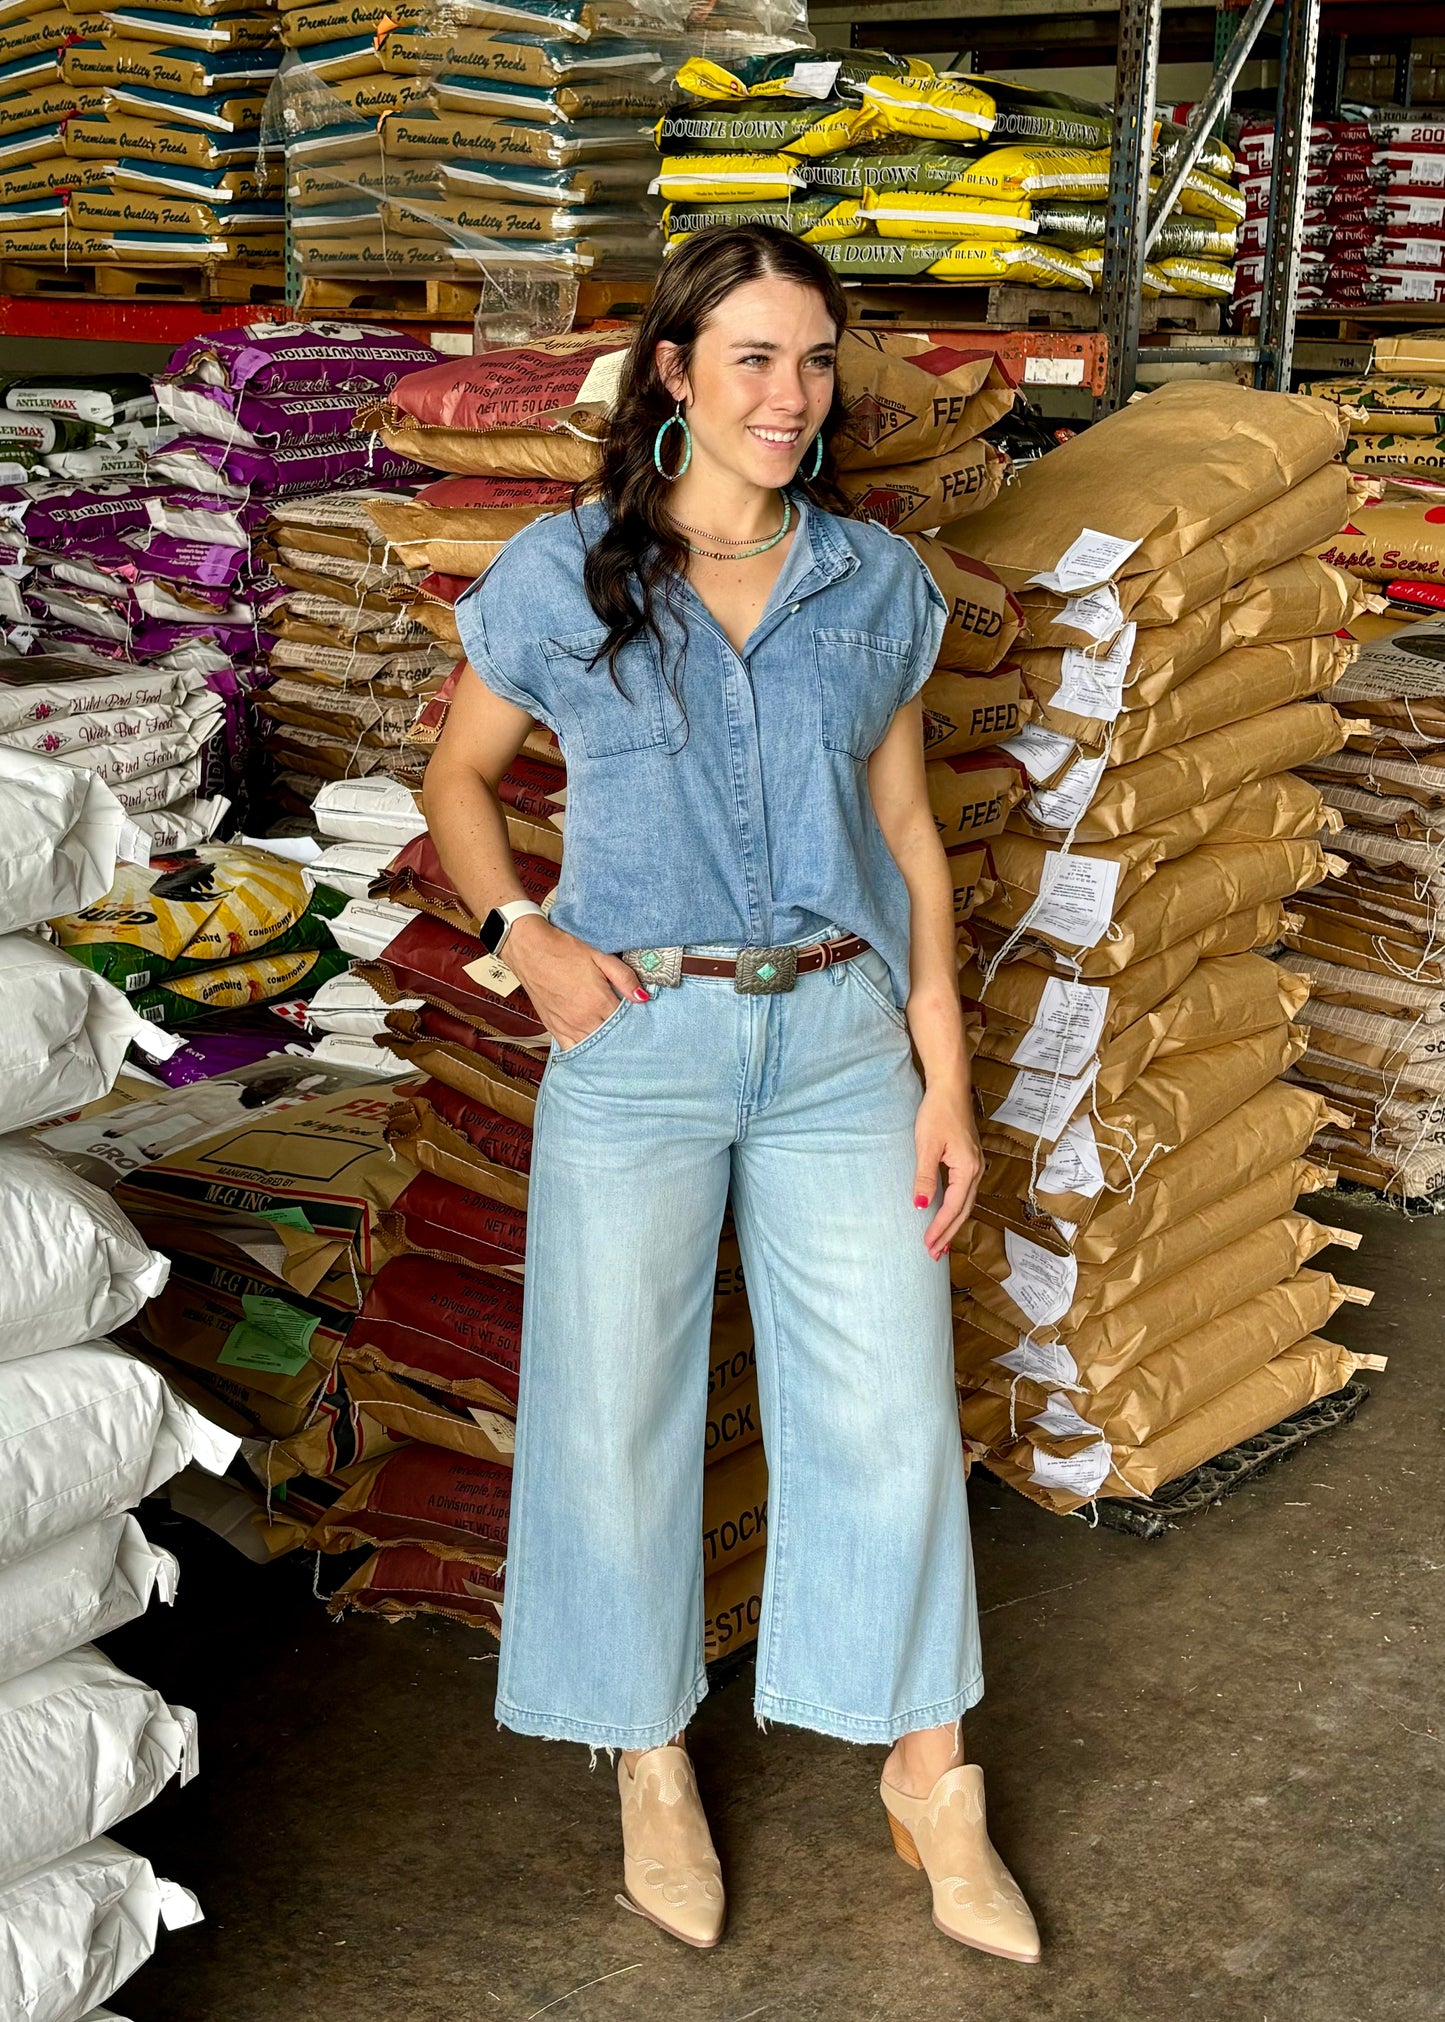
(927, 616)
(497, 622)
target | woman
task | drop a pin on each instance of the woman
(753, 892)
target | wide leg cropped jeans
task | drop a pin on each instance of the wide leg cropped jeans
(802, 1106)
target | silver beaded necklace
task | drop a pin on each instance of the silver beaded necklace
(748, 548)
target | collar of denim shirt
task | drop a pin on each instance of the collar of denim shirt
(818, 557)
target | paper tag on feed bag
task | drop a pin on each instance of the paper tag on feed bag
(1041, 1362)
(1086, 564)
(1093, 683)
(1040, 1283)
(1076, 899)
(1062, 805)
(1073, 1166)
(1098, 615)
(1066, 1029)
(1082, 1474)
(1041, 1104)
(493, 974)
(1042, 753)
(1059, 1420)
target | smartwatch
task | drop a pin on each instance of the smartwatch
(501, 920)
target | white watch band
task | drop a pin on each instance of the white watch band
(514, 910)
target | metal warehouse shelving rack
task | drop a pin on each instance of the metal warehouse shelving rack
(1132, 223)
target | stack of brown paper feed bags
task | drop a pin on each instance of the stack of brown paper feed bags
(1371, 945)
(1133, 1295)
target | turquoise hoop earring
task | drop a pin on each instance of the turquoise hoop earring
(678, 420)
(817, 456)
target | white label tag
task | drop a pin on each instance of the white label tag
(1073, 1166)
(178, 1906)
(1066, 1028)
(1061, 806)
(1427, 168)
(1425, 211)
(1053, 372)
(1097, 616)
(133, 845)
(1086, 563)
(1040, 1284)
(493, 974)
(1042, 753)
(1041, 1104)
(1417, 287)
(604, 376)
(1059, 1420)
(1041, 1362)
(1093, 683)
(155, 1041)
(1082, 1474)
(814, 80)
(500, 1431)
(1076, 899)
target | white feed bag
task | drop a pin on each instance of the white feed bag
(63, 1032)
(348, 1003)
(193, 821)
(59, 833)
(85, 1432)
(73, 1931)
(349, 867)
(368, 810)
(75, 1267)
(82, 1746)
(364, 928)
(77, 1588)
(345, 1049)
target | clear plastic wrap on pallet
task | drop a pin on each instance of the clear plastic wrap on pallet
(1373, 232)
(447, 149)
(132, 143)
(1370, 943)
(898, 172)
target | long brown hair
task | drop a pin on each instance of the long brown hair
(638, 555)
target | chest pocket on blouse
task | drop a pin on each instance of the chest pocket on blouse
(592, 706)
(860, 676)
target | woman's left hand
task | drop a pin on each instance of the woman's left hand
(944, 1134)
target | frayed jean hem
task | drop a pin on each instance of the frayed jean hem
(596, 1733)
(849, 1727)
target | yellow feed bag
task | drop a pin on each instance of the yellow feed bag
(1205, 196)
(904, 214)
(1206, 279)
(726, 178)
(1036, 172)
(1155, 282)
(932, 108)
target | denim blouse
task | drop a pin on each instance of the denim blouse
(726, 799)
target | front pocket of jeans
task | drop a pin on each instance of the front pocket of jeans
(598, 1031)
(871, 989)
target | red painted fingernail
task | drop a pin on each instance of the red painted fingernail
(920, 1200)
(642, 996)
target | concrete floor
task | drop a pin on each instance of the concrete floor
(1214, 1762)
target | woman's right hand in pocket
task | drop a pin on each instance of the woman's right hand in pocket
(574, 987)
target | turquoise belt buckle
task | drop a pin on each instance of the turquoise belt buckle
(765, 972)
(659, 968)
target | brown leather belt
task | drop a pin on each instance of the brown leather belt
(755, 972)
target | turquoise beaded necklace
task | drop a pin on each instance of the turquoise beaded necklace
(747, 548)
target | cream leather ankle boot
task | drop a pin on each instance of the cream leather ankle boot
(975, 1898)
(670, 1871)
